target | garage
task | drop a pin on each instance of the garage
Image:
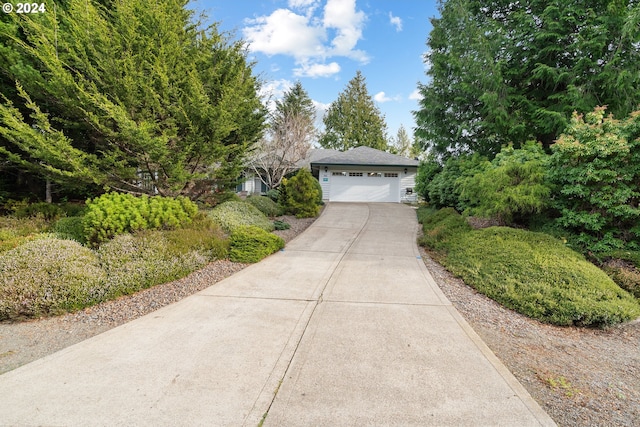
(364, 174)
(356, 186)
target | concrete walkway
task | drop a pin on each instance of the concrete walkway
(345, 327)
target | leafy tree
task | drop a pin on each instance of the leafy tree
(427, 170)
(510, 187)
(445, 188)
(595, 166)
(503, 71)
(288, 139)
(354, 120)
(138, 90)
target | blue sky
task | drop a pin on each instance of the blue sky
(323, 43)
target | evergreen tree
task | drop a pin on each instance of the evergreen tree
(138, 90)
(354, 120)
(504, 71)
(402, 144)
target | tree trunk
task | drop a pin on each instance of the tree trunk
(47, 192)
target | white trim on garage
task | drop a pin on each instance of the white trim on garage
(366, 184)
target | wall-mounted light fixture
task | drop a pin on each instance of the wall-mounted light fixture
(326, 169)
(405, 171)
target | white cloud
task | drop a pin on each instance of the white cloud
(310, 39)
(382, 97)
(284, 32)
(274, 90)
(415, 95)
(317, 70)
(395, 21)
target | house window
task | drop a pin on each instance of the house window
(390, 174)
(375, 174)
(355, 173)
(338, 174)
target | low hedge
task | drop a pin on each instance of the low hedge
(250, 244)
(233, 214)
(532, 273)
(48, 276)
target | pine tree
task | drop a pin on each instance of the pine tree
(354, 120)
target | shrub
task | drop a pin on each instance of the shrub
(427, 170)
(301, 195)
(250, 244)
(625, 275)
(14, 231)
(281, 225)
(596, 167)
(48, 211)
(440, 227)
(71, 228)
(233, 214)
(116, 213)
(48, 276)
(265, 205)
(444, 189)
(274, 194)
(538, 276)
(203, 235)
(142, 260)
(510, 188)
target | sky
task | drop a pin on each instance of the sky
(322, 43)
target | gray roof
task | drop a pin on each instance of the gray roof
(365, 156)
(316, 154)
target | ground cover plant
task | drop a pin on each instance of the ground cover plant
(233, 214)
(532, 273)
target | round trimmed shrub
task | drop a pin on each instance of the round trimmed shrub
(265, 205)
(48, 276)
(250, 244)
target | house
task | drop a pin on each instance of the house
(364, 174)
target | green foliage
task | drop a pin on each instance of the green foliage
(281, 225)
(204, 236)
(231, 215)
(301, 195)
(48, 276)
(444, 189)
(595, 167)
(440, 227)
(626, 276)
(265, 205)
(138, 96)
(116, 213)
(274, 194)
(48, 211)
(250, 244)
(427, 170)
(532, 273)
(353, 119)
(510, 188)
(508, 72)
(70, 227)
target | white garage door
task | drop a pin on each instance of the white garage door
(364, 187)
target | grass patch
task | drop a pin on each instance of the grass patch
(531, 273)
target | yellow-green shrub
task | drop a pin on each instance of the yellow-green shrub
(250, 244)
(233, 214)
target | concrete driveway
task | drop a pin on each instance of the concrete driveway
(345, 327)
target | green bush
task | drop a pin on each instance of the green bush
(250, 244)
(265, 205)
(440, 227)
(273, 194)
(511, 188)
(281, 225)
(204, 236)
(538, 276)
(595, 167)
(234, 214)
(71, 227)
(301, 195)
(444, 189)
(145, 259)
(48, 211)
(427, 170)
(48, 276)
(116, 213)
